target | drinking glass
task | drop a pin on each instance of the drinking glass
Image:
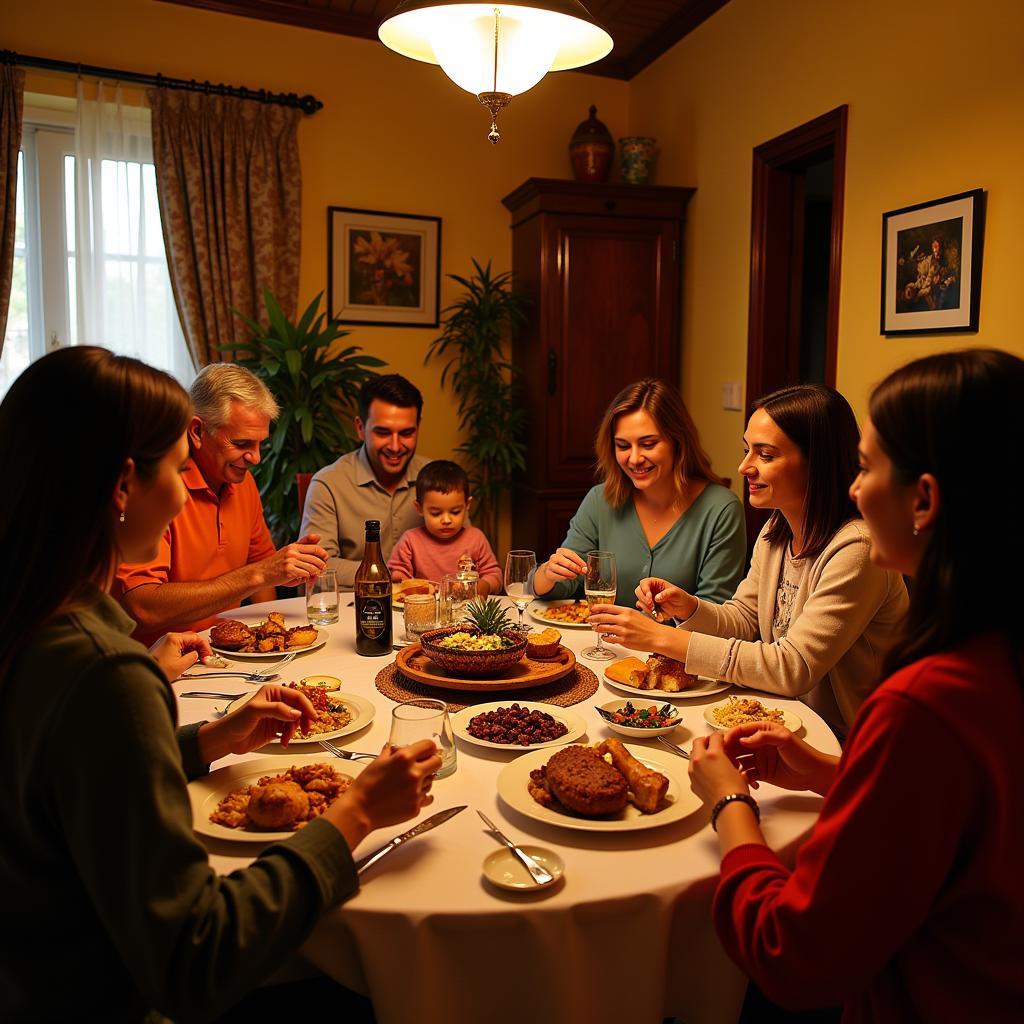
(457, 590)
(600, 585)
(424, 719)
(420, 614)
(518, 566)
(322, 598)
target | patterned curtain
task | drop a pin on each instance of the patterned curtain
(12, 97)
(230, 191)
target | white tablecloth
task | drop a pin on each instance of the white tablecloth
(626, 936)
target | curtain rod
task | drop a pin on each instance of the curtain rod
(307, 104)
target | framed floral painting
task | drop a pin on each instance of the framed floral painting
(383, 268)
(931, 265)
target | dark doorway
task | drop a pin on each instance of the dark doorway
(796, 245)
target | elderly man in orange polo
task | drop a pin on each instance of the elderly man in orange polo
(218, 550)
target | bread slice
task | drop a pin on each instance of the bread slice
(628, 672)
(668, 675)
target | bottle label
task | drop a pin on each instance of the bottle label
(371, 618)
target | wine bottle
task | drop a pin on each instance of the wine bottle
(373, 598)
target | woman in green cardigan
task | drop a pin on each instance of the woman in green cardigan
(111, 907)
(660, 508)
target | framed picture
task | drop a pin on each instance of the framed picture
(931, 265)
(383, 268)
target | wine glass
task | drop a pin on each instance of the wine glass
(518, 566)
(600, 587)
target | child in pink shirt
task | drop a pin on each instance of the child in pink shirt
(433, 549)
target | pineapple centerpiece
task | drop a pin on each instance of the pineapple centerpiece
(485, 642)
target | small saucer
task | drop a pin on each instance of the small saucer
(502, 869)
(327, 682)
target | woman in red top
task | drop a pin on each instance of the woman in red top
(907, 902)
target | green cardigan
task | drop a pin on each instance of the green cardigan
(111, 907)
(704, 552)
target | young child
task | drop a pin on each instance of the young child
(433, 549)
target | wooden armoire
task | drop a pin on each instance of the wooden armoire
(601, 265)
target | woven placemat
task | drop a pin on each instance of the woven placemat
(577, 686)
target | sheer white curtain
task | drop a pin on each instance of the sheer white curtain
(124, 299)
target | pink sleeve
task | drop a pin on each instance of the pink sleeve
(867, 878)
(401, 563)
(486, 563)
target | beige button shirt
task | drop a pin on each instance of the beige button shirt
(343, 495)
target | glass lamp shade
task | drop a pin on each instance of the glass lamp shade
(532, 40)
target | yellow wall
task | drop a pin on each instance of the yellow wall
(934, 94)
(394, 134)
(934, 108)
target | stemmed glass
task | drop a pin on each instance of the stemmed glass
(518, 566)
(600, 586)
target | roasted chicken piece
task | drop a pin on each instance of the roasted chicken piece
(231, 634)
(647, 786)
(301, 636)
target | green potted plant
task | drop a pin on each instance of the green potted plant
(316, 388)
(476, 328)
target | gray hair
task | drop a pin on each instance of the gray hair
(219, 384)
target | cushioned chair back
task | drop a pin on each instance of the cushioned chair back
(302, 483)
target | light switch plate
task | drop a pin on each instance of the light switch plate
(732, 396)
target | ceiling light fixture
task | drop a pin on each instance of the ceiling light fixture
(496, 50)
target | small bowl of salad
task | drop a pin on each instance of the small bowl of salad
(639, 718)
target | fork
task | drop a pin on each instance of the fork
(672, 746)
(348, 755)
(212, 694)
(263, 676)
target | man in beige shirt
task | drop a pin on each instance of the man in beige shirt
(376, 481)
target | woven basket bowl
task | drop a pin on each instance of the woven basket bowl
(474, 664)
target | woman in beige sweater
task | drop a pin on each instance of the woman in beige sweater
(813, 617)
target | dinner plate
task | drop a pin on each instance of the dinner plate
(316, 645)
(576, 726)
(682, 800)
(362, 715)
(206, 792)
(537, 607)
(708, 686)
(789, 720)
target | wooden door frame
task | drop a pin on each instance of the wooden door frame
(775, 164)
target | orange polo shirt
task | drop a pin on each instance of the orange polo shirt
(206, 539)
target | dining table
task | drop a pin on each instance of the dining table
(625, 935)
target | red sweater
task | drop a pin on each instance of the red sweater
(907, 902)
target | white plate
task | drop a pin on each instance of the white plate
(207, 792)
(789, 720)
(635, 732)
(707, 687)
(362, 715)
(683, 801)
(537, 607)
(320, 641)
(504, 870)
(576, 726)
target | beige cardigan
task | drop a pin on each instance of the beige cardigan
(845, 616)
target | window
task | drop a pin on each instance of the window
(132, 310)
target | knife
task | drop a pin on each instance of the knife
(417, 830)
(539, 874)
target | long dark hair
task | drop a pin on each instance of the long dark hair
(820, 422)
(68, 424)
(957, 416)
(664, 405)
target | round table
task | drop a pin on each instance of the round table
(626, 935)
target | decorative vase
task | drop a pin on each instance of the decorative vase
(591, 150)
(637, 155)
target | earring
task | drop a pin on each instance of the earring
(916, 530)
(120, 519)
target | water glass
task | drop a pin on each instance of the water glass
(420, 614)
(425, 719)
(322, 598)
(457, 591)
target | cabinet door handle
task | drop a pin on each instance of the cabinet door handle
(552, 371)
